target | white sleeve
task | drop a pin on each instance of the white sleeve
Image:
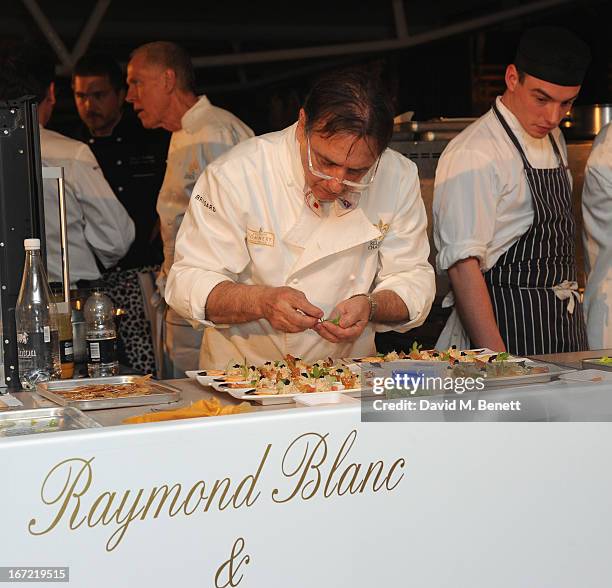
(464, 207)
(403, 265)
(597, 237)
(107, 226)
(210, 246)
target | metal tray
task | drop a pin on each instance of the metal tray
(160, 393)
(554, 371)
(594, 364)
(14, 423)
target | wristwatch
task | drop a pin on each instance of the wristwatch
(371, 301)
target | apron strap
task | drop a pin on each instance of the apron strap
(512, 136)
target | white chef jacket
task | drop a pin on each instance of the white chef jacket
(97, 222)
(248, 222)
(597, 216)
(206, 132)
(482, 202)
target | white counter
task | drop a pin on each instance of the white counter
(314, 497)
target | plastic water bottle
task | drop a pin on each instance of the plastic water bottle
(36, 322)
(101, 336)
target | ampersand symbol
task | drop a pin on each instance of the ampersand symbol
(229, 569)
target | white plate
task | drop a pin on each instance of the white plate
(239, 394)
(207, 380)
(191, 374)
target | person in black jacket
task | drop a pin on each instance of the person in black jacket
(133, 161)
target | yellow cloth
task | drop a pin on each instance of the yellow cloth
(201, 408)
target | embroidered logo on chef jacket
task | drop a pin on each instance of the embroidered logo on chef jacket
(384, 229)
(205, 203)
(260, 237)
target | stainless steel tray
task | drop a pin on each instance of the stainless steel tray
(594, 363)
(14, 423)
(554, 371)
(160, 393)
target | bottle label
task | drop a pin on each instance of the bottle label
(66, 351)
(35, 347)
(102, 350)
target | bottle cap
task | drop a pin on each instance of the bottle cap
(31, 244)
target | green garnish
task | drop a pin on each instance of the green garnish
(317, 372)
(53, 423)
(416, 347)
(606, 360)
(335, 321)
(503, 356)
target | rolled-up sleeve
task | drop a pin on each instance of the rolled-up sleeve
(464, 207)
(210, 247)
(403, 265)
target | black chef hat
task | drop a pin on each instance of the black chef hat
(553, 54)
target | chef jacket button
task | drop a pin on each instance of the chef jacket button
(92, 141)
(352, 277)
(119, 139)
(119, 162)
(119, 188)
(295, 281)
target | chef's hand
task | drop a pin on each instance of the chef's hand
(288, 310)
(353, 314)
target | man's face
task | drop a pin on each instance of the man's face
(539, 106)
(147, 91)
(98, 103)
(343, 156)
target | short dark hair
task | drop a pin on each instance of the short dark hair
(171, 56)
(99, 64)
(25, 70)
(353, 100)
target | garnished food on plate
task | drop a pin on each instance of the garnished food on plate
(292, 375)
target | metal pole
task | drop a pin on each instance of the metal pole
(399, 15)
(90, 28)
(374, 46)
(49, 32)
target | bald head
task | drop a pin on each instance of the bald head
(168, 55)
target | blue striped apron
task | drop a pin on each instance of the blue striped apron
(531, 318)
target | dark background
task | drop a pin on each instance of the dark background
(456, 75)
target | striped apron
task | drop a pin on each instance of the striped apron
(533, 285)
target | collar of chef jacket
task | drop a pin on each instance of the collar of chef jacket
(320, 237)
(192, 119)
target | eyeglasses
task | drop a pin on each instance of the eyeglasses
(364, 182)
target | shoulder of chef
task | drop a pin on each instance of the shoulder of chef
(486, 139)
(601, 154)
(57, 146)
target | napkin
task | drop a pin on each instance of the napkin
(201, 408)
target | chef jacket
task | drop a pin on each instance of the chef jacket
(98, 224)
(249, 222)
(206, 133)
(133, 161)
(482, 203)
(597, 216)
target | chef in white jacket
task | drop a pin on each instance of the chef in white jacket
(98, 226)
(503, 217)
(318, 221)
(597, 216)
(161, 87)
